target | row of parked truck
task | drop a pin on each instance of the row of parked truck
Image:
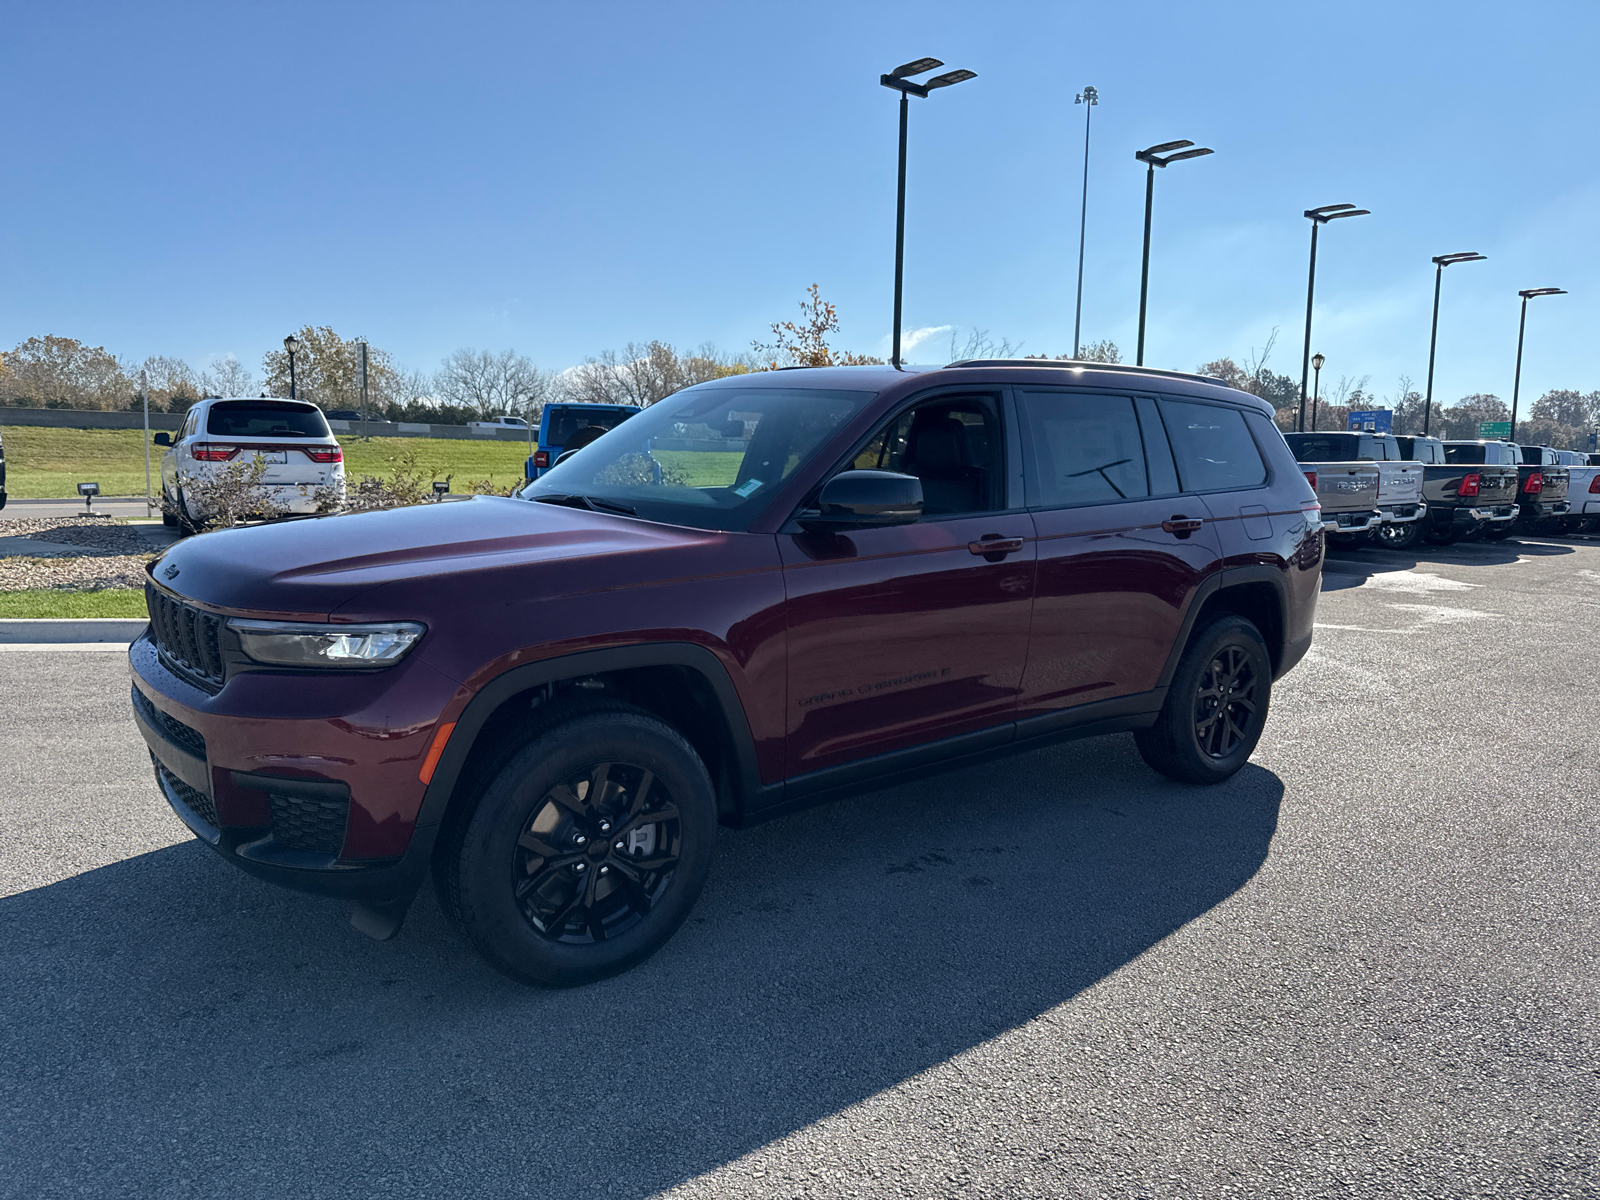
(1393, 490)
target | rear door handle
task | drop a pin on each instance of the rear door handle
(1181, 525)
(994, 547)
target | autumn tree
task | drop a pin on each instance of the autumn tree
(327, 370)
(170, 383)
(1461, 419)
(60, 372)
(804, 343)
(643, 374)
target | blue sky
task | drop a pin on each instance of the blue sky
(200, 179)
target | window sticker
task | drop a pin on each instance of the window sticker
(748, 488)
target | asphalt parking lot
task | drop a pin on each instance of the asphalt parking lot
(1366, 966)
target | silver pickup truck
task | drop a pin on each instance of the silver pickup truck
(1365, 485)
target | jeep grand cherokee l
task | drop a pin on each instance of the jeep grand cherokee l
(551, 700)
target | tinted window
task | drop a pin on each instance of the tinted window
(952, 445)
(1416, 449)
(1467, 453)
(1082, 449)
(1325, 447)
(1213, 449)
(565, 422)
(265, 418)
(1531, 454)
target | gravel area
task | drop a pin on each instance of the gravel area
(87, 574)
(97, 535)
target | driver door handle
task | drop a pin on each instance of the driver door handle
(994, 547)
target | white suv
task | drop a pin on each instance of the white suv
(292, 438)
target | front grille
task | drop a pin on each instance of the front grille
(198, 802)
(177, 732)
(187, 637)
(306, 823)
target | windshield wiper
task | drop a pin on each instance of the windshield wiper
(592, 503)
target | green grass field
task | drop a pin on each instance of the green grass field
(43, 602)
(52, 462)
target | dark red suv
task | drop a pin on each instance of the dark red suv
(756, 594)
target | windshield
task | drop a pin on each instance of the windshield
(265, 418)
(709, 456)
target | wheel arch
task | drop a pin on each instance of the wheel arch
(1256, 593)
(684, 684)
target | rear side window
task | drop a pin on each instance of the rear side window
(1468, 455)
(1212, 446)
(264, 418)
(567, 421)
(1082, 449)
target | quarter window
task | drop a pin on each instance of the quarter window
(1082, 449)
(1214, 449)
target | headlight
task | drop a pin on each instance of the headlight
(296, 644)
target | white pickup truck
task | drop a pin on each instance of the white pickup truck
(1583, 492)
(501, 422)
(1399, 507)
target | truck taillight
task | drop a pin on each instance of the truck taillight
(209, 452)
(1594, 485)
(1535, 483)
(1311, 478)
(1470, 481)
(541, 459)
(324, 454)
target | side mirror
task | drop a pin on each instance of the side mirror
(162, 439)
(866, 500)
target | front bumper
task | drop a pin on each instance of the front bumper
(319, 793)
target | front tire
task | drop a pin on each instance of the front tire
(559, 875)
(1216, 705)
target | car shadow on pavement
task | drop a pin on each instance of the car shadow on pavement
(172, 1026)
(1347, 567)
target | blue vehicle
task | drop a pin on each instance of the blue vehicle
(562, 424)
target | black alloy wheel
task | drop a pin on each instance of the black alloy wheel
(599, 851)
(1216, 705)
(1225, 705)
(585, 847)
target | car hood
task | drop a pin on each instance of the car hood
(307, 569)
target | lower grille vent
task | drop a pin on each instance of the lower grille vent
(197, 802)
(177, 732)
(309, 823)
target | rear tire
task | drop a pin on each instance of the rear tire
(1443, 535)
(1216, 705)
(1397, 537)
(533, 874)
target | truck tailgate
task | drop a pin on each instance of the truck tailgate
(1400, 482)
(1346, 487)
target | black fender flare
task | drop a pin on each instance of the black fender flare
(469, 724)
(1213, 584)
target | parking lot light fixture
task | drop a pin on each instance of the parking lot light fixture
(900, 80)
(1316, 387)
(1318, 218)
(1440, 262)
(1153, 157)
(1522, 326)
(291, 344)
(1089, 97)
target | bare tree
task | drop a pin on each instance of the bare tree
(643, 374)
(226, 376)
(980, 345)
(490, 383)
(171, 383)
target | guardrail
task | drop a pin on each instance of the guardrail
(74, 418)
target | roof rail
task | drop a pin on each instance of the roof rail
(1081, 364)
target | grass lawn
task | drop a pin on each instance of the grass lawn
(42, 602)
(52, 462)
(702, 468)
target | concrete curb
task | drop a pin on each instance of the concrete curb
(37, 630)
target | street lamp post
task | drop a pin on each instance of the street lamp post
(144, 393)
(899, 80)
(1440, 262)
(291, 345)
(1089, 97)
(1522, 326)
(1153, 157)
(1316, 387)
(1318, 217)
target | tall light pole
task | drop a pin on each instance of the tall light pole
(899, 80)
(1316, 387)
(364, 436)
(144, 392)
(1440, 262)
(1088, 98)
(1155, 156)
(291, 345)
(1516, 384)
(1318, 217)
